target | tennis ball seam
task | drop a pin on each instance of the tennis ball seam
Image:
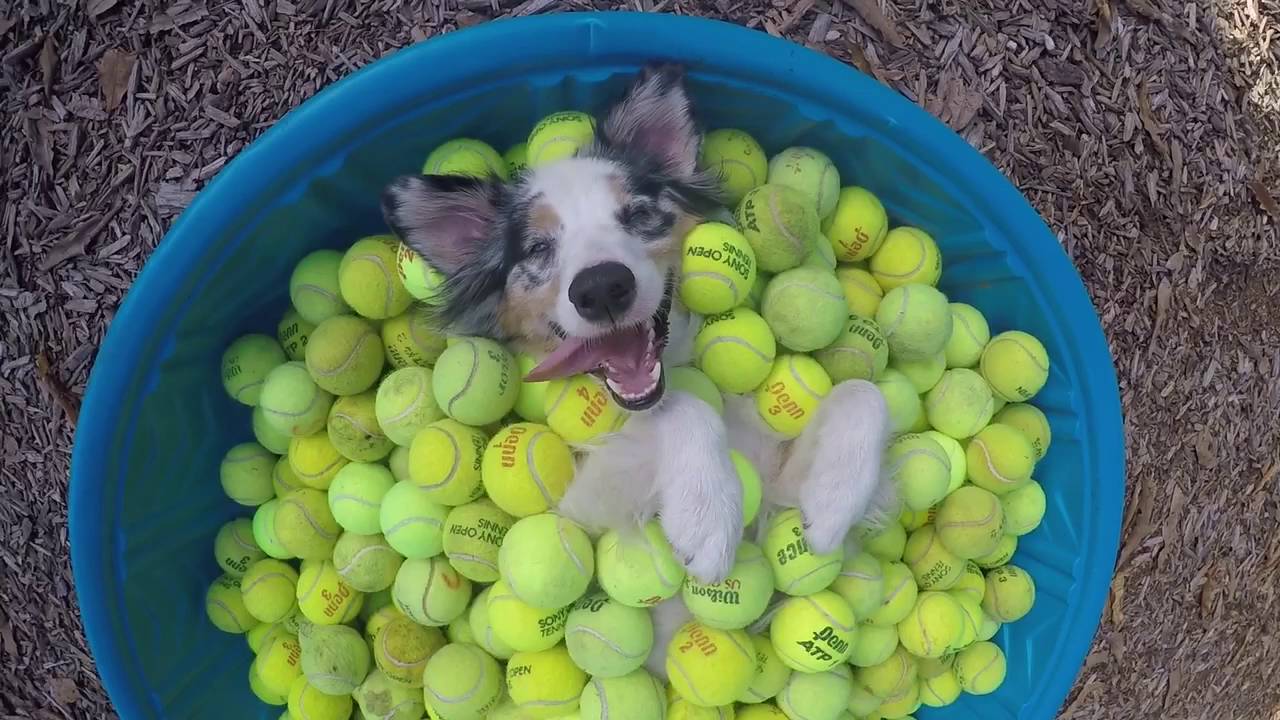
(360, 554)
(543, 145)
(792, 283)
(315, 397)
(964, 324)
(533, 469)
(974, 676)
(707, 274)
(735, 341)
(471, 374)
(775, 215)
(568, 550)
(244, 590)
(606, 641)
(322, 471)
(235, 621)
(401, 524)
(340, 497)
(470, 692)
(924, 251)
(306, 515)
(967, 523)
(456, 455)
(356, 423)
(667, 582)
(755, 181)
(389, 296)
(398, 663)
(351, 358)
(791, 368)
(473, 558)
(1023, 347)
(311, 287)
(423, 388)
(986, 456)
(829, 618)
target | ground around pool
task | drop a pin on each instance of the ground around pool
(1144, 131)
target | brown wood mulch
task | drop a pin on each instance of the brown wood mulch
(1147, 132)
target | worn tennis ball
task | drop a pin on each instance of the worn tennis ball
(526, 469)
(932, 626)
(971, 616)
(245, 474)
(762, 711)
(366, 562)
(813, 633)
(278, 664)
(246, 363)
(580, 409)
(860, 583)
(267, 434)
(1024, 508)
(980, 668)
(606, 638)
(411, 522)
(264, 531)
(771, 673)
(817, 695)
(234, 548)
(381, 697)
(430, 591)
(638, 569)
(369, 280)
(482, 630)
(691, 380)
(314, 461)
(517, 158)
(873, 644)
(862, 702)
(1016, 365)
(972, 584)
(313, 287)
(335, 659)
(515, 624)
(224, 604)
(781, 225)
(804, 307)
(970, 522)
(710, 667)
(736, 350)
(920, 469)
(269, 589)
(940, 690)
(924, 373)
(902, 704)
(717, 269)
(740, 598)
(1010, 594)
(636, 695)
(419, 278)
(960, 404)
(900, 592)
(307, 702)
(409, 341)
(790, 394)
(381, 617)
(1001, 555)
(901, 398)
(531, 401)
(932, 564)
(354, 431)
(402, 647)
(467, 158)
(891, 677)
(305, 526)
(558, 136)
(756, 293)
(857, 226)
(460, 629)
(291, 401)
(970, 334)
(915, 519)
(955, 454)
(345, 355)
(822, 257)
(472, 535)
(324, 597)
(1000, 459)
(445, 460)
(883, 542)
(292, 332)
(547, 560)
(462, 682)
(405, 404)
(751, 486)
(859, 352)
(915, 320)
(907, 255)
(862, 295)
(476, 381)
(263, 634)
(398, 462)
(1030, 420)
(797, 569)
(545, 683)
(266, 694)
(737, 160)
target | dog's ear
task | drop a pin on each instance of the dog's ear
(654, 123)
(447, 219)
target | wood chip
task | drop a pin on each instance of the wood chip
(97, 7)
(875, 17)
(1265, 199)
(48, 64)
(1149, 121)
(114, 71)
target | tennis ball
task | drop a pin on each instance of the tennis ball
(313, 287)
(517, 158)
(638, 569)
(313, 462)
(263, 634)
(369, 280)
(381, 697)
(265, 694)
(751, 486)
(900, 592)
(526, 469)
(988, 629)
(901, 398)
(531, 401)
(804, 307)
(789, 396)
(558, 136)
(521, 626)
(1016, 365)
(922, 421)
(960, 404)
(933, 565)
(366, 562)
(817, 695)
(969, 336)
(430, 591)
(269, 588)
(355, 497)
(873, 644)
(862, 295)
(398, 462)
(307, 702)
(902, 704)
(915, 320)
(857, 226)
(923, 373)
(932, 626)
(579, 409)
(1000, 459)
(405, 404)
(780, 224)
(916, 519)
(885, 542)
(1001, 555)
(264, 531)
(970, 522)
(291, 401)
(810, 172)
(717, 270)
(695, 382)
(822, 257)
(472, 536)
(381, 617)
(482, 629)
(305, 526)
(409, 341)
(763, 711)
(636, 695)
(467, 158)
(756, 294)
(323, 596)
(955, 455)
(858, 352)
(891, 677)
(245, 364)
(354, 431)
(345, 355)
(971, 616)
(735, 349)
(710, 667)
(606, 638)
(224, 604)
(475, 381)
(1010, 594)
(278, 664)
(740, 598)
(419, 278)
(940, 690)
(860, 583)
(1028, 419)
(411, 522)
(402, 647)
(547, 560)
(1023, 509)
(267, 435)
(245, 473)
(234, 547)
(736, 159)
(771, 673)
(980, 668)
(907, 255)
(972, 585)
(813, 633)
(460, 629)
(293, 332)
(797, 570)
(862, 702)
(545, 683)
(445, 459)
(462, 682)
(920, 469)
(335, 660)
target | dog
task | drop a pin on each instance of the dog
(576, 262)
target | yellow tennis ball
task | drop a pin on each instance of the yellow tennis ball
(736, 159)
(531, 402)
(972, 618)
(547, 560)
(246, 363)
(932, 626)
(482, 629)
(472, 536)
(405, 404)
(580, 409)
(521, 626)
(989, 627)
(860, 583)
(419, 278)
(430, 591)
(781, 225)
(862, 702)
(789, 396)
(740, 598)
(369, 280)
(1016, 365)
(476, 381)
(873, 644)
(717, 269)
(735, 349)
(266, 694)
(1030, 420)
(245, 474)
(771, 673)
(411, 522)
(345, 355)
(884, 542)
(813, 633)
(857, 226)
(314, 461)
(278, 664)
(804, 307)
(445, 459)
(1024, 508)
(900, 592)
(292, 402)
(972, 584)
(636, 695)
(398, 462)
(460, 629)
(762, 711)
(269, 590)
(526, 469)
(955, 455)
(940, 690)
(809, 172)
(313, 287)
(224, 604)
(517, 158)
(817, 695)
(757, 290)
(859, 352)
(915, 519)
(960, 404)
(462, 682)
(638, 569)
(381, 697)
(695, 382)
(822, 257)
(335, 659)
(924, 373)
(558, 136)
(409, 341)
(980, 668)
(1000, 459)
(797, 569)
(366, 562)
(305, 526)
(354, 431)
(1001, 555)
(264, 531)
(293, 331)
(902, 704)
(751, 486)
(891, 677)
(307, 702)
(402, 647)
(710, 667)
(381, 617)
(920, 469)
(901, 398)
(970, 522)
(862, 294)
(933, 565)
(1010, 594)
(467, 158)
(915, 320)
(907, 255)
(970, 334)
(545, 683)
(234, 547)
(606, 638)
(268, 435)
(323, 596)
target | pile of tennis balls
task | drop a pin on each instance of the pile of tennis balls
(402, 559)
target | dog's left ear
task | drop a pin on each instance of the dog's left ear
(654, 123)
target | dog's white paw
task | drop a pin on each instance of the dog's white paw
(704, 540)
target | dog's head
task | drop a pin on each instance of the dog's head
(574, 261)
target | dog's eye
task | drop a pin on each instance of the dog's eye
(538, 247)
(645, 218)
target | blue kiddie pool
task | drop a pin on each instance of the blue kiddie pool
(145, 498)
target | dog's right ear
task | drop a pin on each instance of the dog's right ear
(447, 219)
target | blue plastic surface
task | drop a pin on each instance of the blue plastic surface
(145, 499)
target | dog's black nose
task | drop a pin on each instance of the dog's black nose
(604, 292)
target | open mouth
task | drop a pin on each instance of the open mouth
(628, 359)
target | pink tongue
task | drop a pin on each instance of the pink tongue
(623, 350)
